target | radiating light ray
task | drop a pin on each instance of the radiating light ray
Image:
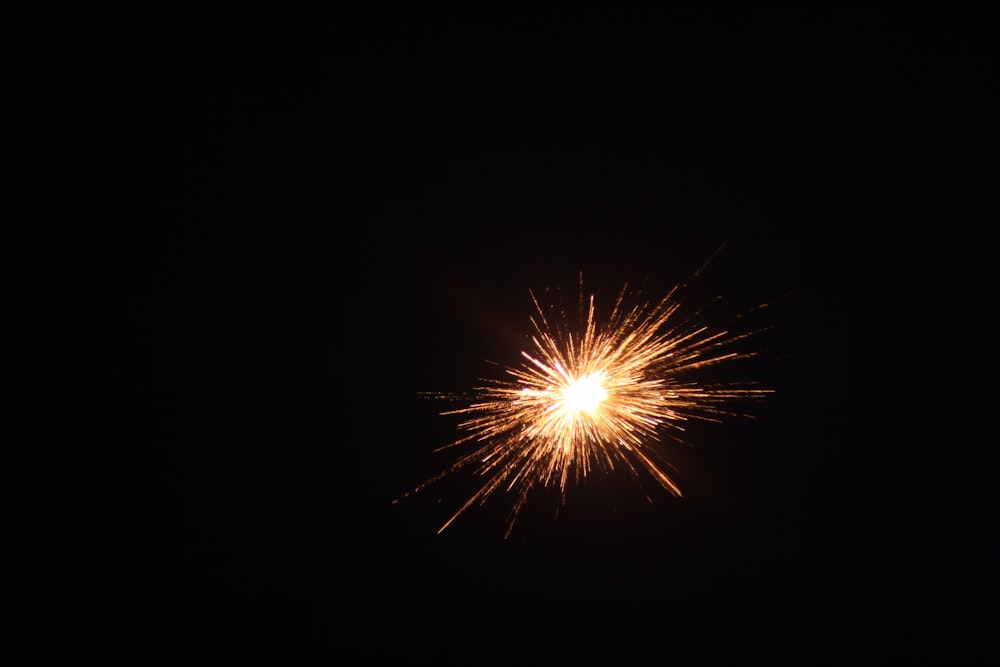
(594, 398)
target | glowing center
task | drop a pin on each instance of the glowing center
(584, 394)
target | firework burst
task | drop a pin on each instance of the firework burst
(594, 397)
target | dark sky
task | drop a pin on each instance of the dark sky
(262, 235)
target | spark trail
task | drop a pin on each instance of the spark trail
(594, 399)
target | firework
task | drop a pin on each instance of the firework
(594, 397)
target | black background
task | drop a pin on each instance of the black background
(260, 235)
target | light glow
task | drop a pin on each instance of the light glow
(584, 394)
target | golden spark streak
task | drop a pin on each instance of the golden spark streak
(596, 399)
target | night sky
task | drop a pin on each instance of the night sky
(261, 236)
